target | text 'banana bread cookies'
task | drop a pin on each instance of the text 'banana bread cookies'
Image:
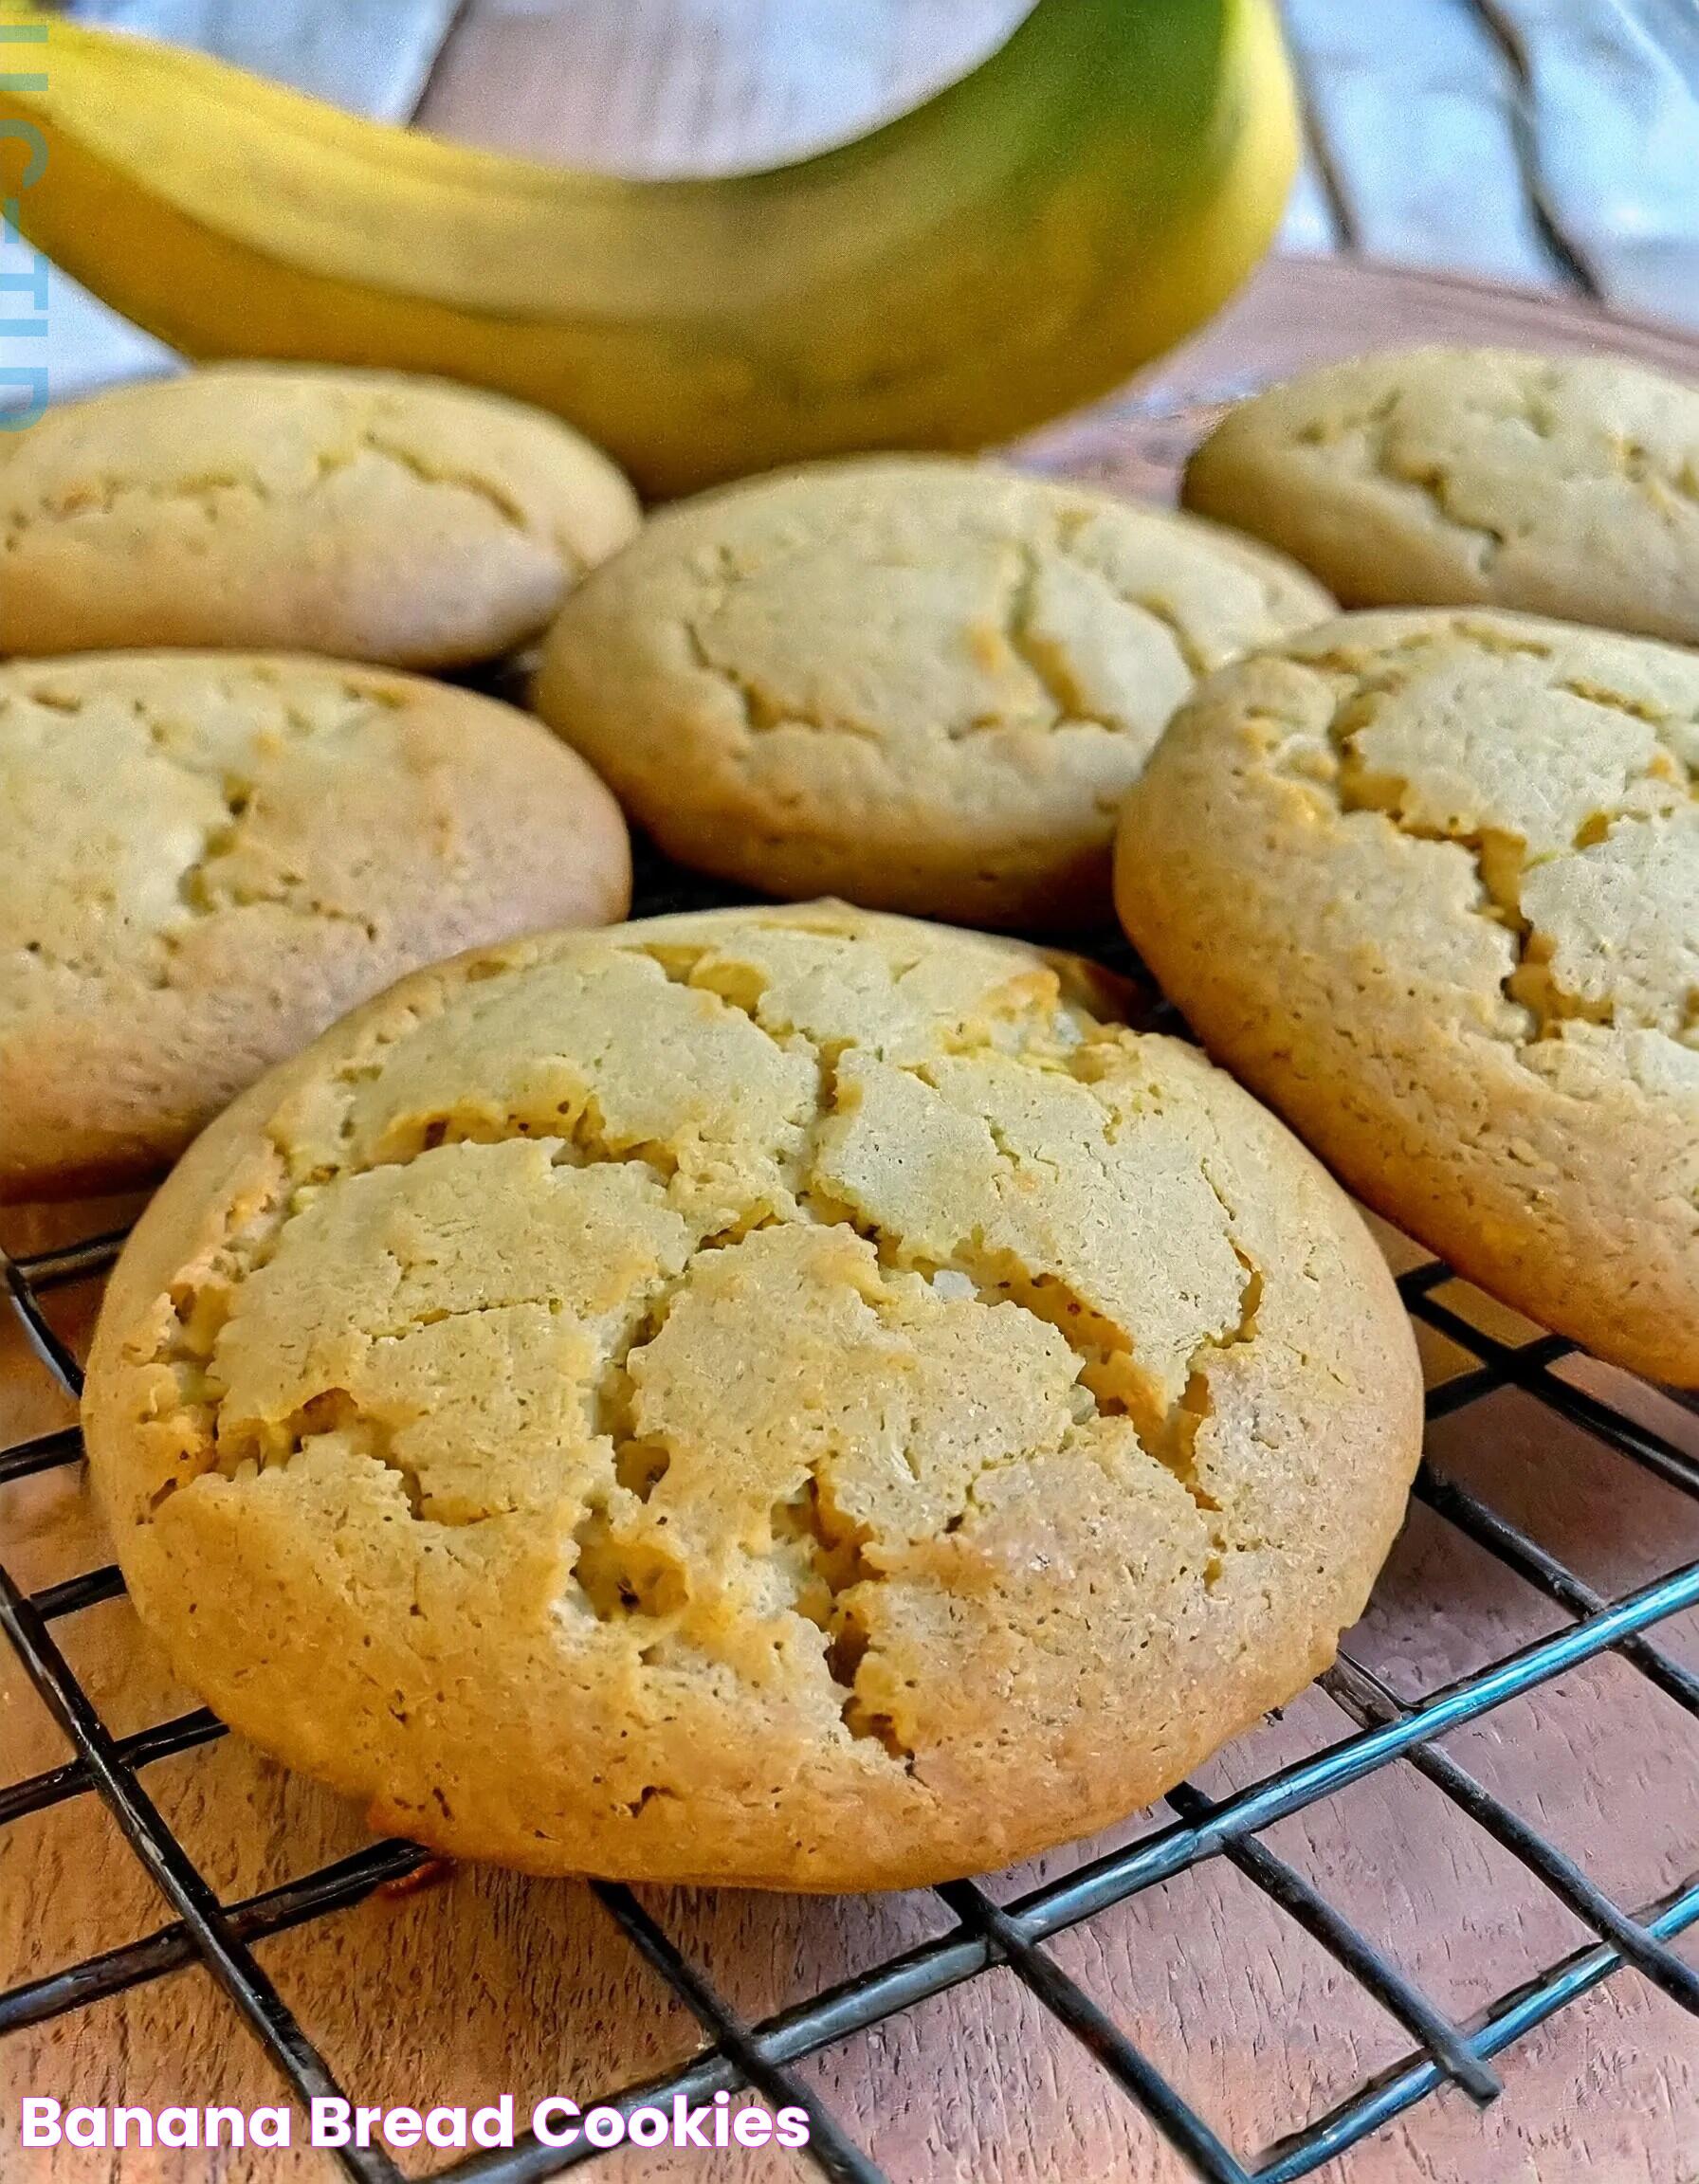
(210, 857)
(919, 684)
(1562, 485)
(363, 515)
(1429, 882)
(780, 1397)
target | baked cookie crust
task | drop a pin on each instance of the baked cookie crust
(363, 515)
(1555, 485)
(1429, 884)
(207, 858)
(922, 684)
(785, 1398)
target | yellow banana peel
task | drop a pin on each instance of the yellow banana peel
(1016, 245)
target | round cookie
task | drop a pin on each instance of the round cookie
(924, 685)
(359, 514)
(784, 1398)
(208, 857)
(1474, 477)
(1429, 884)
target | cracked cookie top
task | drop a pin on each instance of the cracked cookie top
(1475, 477)
(791, 1397)
(359, 514)
(208, 857)
(1431, 881)
(921, 683)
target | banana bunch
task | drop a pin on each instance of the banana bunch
(1016, 245)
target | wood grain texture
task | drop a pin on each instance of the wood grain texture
(493, 1983)
(1414, 107)
(1613, 95)
(1538, 140)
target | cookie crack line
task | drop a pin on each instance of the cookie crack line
(201, 896)
(760, 714)
(1594, 693)
(583, 1138)
(579, 1137)
(1197, 661)
(1499, 856)
(1626, 460)
(1000, 1279)
(1631, 460)
(1432, 482)
(274, 1444)
(105, 496)
(374, 440)
(620, 1570)
(834, 1597)
(221, 839)
(37, 688)
(1001, 1282)
(1377, 424)
(1047, 664)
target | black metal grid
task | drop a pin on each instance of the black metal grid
(1385, 1729)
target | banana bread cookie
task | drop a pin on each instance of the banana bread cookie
(1429, 884)
(1475, 477)
(208, 857)
(360, 514)
(777, 1397)
(924, 685)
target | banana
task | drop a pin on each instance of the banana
(1014, 246)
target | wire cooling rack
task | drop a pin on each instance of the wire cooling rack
(1385, 1731)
